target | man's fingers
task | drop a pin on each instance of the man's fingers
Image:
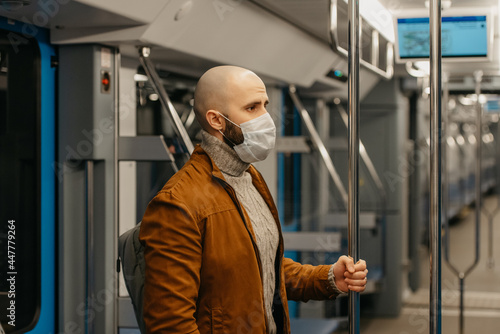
(360, 265)
(355, 282)
(357, 274)
(348, 263)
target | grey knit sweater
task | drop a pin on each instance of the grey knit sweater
(261, 218)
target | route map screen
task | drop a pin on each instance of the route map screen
(461, 36)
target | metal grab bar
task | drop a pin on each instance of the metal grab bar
(190, 119)
(435, 168)
(318, 143)
(150, 70)
(463, 274)
(444, 150)
(367, 161)
(353, 208)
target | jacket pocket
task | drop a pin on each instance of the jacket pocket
(217, 323)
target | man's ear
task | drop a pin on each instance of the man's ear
(214, 120)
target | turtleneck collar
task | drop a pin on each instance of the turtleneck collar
(224, 156)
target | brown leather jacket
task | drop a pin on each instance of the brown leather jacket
(203, 271)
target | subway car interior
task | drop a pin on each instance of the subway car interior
(408, 90)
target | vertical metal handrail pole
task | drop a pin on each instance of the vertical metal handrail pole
(435, 166)
(491, 215)
(478, 76)
(116, 169)
(445, 188)
(491, 261)
(89, 173)
(353, 203)
(144, 53)
(446, 223)
(444, 161)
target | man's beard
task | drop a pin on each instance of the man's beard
(233, 135)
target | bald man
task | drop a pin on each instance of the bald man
(212, 236)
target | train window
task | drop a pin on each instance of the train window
(20, 183)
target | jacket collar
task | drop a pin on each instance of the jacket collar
(199, 154)
(258, 181)
(223, 155)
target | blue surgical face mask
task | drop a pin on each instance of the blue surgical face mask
(259, 138)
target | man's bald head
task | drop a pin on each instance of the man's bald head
(216, 89)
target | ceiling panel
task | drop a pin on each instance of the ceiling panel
(309, 15)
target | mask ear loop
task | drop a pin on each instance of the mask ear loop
(227, 138)
(223, 133)
(229, 120)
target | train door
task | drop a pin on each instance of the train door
(27, 196)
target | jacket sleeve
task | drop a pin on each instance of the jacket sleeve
(172, 253)
(304, 281)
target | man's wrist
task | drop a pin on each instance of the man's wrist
(331, 279)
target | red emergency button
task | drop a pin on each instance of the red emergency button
(105, 82)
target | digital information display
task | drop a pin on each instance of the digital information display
(492, 106)
(461, 36)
